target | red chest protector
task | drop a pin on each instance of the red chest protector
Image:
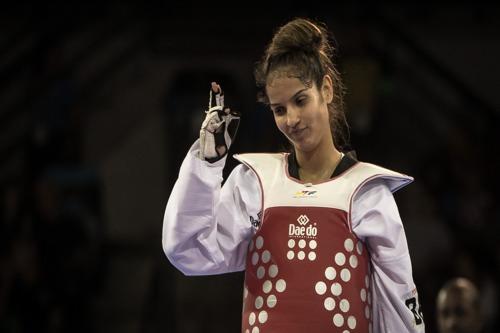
(306, 271)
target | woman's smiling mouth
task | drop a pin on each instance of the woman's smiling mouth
(297, 134)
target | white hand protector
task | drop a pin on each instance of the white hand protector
(219, 127)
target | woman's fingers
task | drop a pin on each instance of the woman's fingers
(216, 88)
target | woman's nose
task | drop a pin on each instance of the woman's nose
(293, 117)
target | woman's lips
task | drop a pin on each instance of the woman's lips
(298, 133)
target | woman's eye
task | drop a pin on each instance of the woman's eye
(279, 110)
(301, 101)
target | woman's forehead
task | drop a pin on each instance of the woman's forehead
(280, 88)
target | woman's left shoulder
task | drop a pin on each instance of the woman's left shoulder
(369, 172)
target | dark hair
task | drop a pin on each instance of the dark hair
(302, 48)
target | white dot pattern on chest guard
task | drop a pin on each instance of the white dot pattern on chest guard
(331, 287)
(268, 272)
(301, 249)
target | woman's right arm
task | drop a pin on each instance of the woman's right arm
(206, 228)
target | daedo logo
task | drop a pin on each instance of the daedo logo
(302, 229)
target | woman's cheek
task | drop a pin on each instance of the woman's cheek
(280, 124)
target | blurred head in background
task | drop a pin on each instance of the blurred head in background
(458, 307)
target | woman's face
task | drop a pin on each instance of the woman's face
(301, 112)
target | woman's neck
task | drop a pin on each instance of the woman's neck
(318, 165)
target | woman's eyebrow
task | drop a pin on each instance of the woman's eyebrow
(294, 95)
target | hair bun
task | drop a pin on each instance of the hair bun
(299, 34)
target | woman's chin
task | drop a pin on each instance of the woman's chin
(303, 146)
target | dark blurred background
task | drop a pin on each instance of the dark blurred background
(100, 103)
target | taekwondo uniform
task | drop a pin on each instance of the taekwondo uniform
(326, 257)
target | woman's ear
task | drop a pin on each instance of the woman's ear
(327, 89)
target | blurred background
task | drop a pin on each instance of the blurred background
(100, 103)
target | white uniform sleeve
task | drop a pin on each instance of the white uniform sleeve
(206, 228)
(376, 221)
